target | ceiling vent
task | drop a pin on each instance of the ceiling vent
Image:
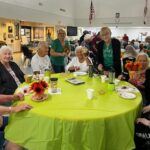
(63, 10)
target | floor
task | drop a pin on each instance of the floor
(18, 58)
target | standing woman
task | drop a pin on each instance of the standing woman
(60, 50)
(109, 52)
(11, 75)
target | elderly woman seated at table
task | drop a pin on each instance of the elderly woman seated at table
(8, 110)
(80, 62)
(11, 75)
(141, 78)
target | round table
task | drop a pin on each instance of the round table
(69, 121)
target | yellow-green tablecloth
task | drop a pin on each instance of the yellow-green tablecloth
(70, 121)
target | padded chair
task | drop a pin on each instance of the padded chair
(27, 54)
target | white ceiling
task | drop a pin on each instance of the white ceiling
(78, 10)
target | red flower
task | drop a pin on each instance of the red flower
(44, 84)
(39, 87)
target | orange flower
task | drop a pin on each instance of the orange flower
(133, 66)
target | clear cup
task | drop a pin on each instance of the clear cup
(103, 78)
(41, 76)
(47, 72)
(46, 79)
(53, 84)
(36, 74)
(90, 93)
(28, 78)
(116, 81)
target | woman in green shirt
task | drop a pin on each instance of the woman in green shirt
(60, 50)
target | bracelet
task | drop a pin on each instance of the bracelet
(10, 109)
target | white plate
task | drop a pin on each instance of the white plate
(127, 95)
(24, 90)
(79, 73)
(126, 89)
(58, 91)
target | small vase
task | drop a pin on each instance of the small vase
(39, 97)
(134, 74)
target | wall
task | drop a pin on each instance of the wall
(132, 32)
(9, 37)
(27, 14)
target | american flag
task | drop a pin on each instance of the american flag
(145, 12)
(92, 12)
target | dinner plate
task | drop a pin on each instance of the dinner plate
(79, 73)
(126, 89)
(127, 95)
(24, 90)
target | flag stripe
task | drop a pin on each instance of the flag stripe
(92, 12)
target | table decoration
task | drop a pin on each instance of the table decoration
(39, 88)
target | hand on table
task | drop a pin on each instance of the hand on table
(121, 77)
(21, 107)
(18, 96)
(100, 67)
(146, 109)
(143, 121)
(76, 68)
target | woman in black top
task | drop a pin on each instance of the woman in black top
(109, 53)
(11, 75)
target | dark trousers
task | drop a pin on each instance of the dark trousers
(2, 140)
(58, 69)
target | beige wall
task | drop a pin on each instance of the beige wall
(7, 36)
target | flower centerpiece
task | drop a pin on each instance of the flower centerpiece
(135, 70)
(39, 88)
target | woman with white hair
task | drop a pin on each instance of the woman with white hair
(80, 62)
(142, 127)
(109, 53)
(60, 49)
(11, 75)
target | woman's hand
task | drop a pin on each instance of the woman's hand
(121, 77)
(143, 121)
(21, 107)
(146, 109)
(100, 67)
(76, 68)
(18, 96)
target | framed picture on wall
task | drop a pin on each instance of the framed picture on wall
(38, 32)
(10, 35)
(10, 29)
(50, 31)
(17, 31)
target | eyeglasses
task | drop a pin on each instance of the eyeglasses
(61, 33)
(105, 34)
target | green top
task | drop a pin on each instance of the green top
(69, 121)
(148, 47)
(57, 47)
(108, 56)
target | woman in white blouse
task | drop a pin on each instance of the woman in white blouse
(80, 62)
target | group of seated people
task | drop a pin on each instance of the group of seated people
(108, 55)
